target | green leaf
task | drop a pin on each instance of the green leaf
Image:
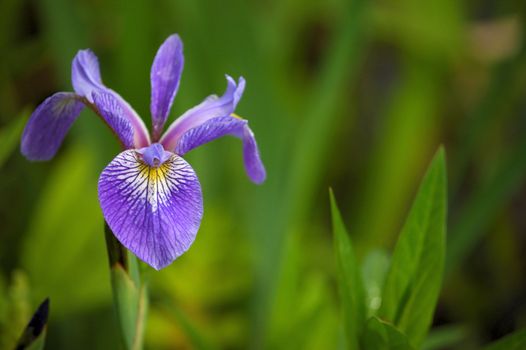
(514, 341)
(10, 136)
(415, 277)
(349, 279)
(131, 304)
(380, 335)
(129, 293)
(34, 335)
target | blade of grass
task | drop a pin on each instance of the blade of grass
(414, 280)
(349, 279)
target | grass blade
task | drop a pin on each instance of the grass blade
(415, 277)
(349, 279)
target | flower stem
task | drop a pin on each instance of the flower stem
(129, 292)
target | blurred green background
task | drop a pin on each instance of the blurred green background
(356, 95)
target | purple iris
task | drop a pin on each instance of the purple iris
(150, 196)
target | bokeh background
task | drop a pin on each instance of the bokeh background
(354, 95)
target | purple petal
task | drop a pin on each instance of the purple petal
(155, 212)
(86, 80)
(85, 74)
(110, 109)
(221, 126)
(165, 76)
(211, 107)
(49, 124)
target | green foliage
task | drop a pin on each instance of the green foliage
(65, 241)
(415, 277)
(349, 280)
(380, 335)
(15, 309)
(130, 295)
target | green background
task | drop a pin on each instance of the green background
(354, 95)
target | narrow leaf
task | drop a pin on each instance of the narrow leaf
(413, 282)
(514, 341)
(349, 279)
(34, 334)
(380, 335)
(129, 294)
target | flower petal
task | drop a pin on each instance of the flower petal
(113, 115)
(155, 212)
(49, 124)
(211, 107)
(85, 74)
(221, 126)
(86, 80)
(165, 76)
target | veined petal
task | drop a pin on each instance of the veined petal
(110, 109)
(211, 107)
(85, 74)
(165, 76)
(221, 126)
(49, 124)
(155, 212)
(86, 80)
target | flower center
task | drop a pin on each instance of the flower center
(154, 155)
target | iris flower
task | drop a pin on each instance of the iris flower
(150, 196)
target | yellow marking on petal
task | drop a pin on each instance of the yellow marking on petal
(236, 116)
(158, 173)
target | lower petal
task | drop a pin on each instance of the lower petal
(49, 124)
(155, 212)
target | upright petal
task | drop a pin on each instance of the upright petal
(211, 107)
(86, 80)
(165, 76)
(110, 109)
(221, 126)
(155, 212)
(85, 74)
(49, 124)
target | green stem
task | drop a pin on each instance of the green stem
(129, 292)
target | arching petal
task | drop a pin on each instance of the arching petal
(165, 76)
(113, 115)
(85, 74)
(211, 107)
(49, 124)
(155, 212)
(86, 80)
(221, 126)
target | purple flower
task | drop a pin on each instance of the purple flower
(150, 196)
